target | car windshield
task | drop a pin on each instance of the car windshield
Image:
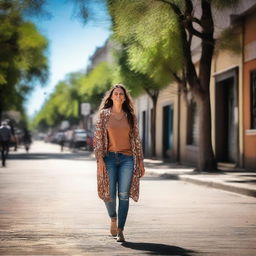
(81, 135)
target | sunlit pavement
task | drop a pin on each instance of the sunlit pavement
(49, 206)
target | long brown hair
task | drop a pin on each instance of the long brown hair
(127, 106)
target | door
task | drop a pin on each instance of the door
(167, 130)
(144, 131)
(226, 119)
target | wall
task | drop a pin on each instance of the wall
(249, 64)
(224, 61)
(167, 96)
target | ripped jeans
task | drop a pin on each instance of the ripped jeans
(120, 171)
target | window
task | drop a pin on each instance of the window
(253, 99)
(192, 124)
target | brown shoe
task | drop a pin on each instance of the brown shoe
(120, 236)
(113, 227)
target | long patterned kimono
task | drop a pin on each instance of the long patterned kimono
(100, 148)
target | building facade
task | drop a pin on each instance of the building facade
(248, 19)
(233, 101)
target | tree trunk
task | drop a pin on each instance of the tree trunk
(206, 158)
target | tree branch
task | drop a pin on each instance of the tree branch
(181, 81)
(189, 14)
(148, 92)
(153, 95)
(176, 77)
(191, 74)
(190, 39)
(195, 32)
(196, 20)
(188, 8)
(189, 19)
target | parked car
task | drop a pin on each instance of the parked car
(79, 138)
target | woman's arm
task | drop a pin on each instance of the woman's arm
(142, 168)
(138, 146)
(98, 139)
(98, 144)
(136, 134)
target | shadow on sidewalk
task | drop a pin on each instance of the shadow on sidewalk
(158, 249)
(242, 181)
(42, 156)
(164, 165)
(165, 176)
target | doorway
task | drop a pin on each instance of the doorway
(226, 118)
(167, 131)
(144, 131)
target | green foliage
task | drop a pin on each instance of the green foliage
(65, 101)
(151, 35)
(134, 81)
(220, 4)
(230, 39)
(31, 62)
(96, 83)
(23, 59)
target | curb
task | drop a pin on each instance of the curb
(220, 185)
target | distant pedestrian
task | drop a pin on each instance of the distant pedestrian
(119, 156)
(5, 138)
(62, 141)
(27, 140)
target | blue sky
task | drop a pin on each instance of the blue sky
(70, 46)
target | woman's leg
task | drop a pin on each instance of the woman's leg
(111, 167)
(125, 173)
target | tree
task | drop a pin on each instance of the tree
(23, 59)
(145, 62)
(68, 94)
(149, 53)
(63, 103)
(149, 22)
(94, 85)
(137, 83)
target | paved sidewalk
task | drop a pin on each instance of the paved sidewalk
(233, 180)
(49, 206)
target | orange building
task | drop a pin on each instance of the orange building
(249, 89)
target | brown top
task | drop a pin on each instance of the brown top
(118, 135)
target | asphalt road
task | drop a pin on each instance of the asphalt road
(49, 206)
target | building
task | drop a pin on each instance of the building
(248, 21)
(233, 101)
(101, 54)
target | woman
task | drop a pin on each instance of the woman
(119, 156)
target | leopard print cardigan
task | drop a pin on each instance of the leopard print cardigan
(100, 142)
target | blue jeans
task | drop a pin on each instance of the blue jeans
(120, 171)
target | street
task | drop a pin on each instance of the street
(49, 206)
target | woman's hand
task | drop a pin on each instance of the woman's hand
(101, 166)
(142, 169)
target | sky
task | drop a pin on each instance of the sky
(70, 46)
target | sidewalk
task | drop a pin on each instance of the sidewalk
(233, 180)
(49, 206)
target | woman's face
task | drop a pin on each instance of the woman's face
(118, 96)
